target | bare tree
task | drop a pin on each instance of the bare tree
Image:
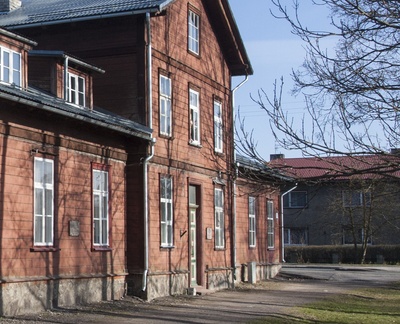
(352, 93)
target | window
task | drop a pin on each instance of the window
(295, 199)
(10, 66)
(296, 236)
(43, 202)
(76, 89)
(166, 212)
(356, 198)
(194, 117)
(218, 132)
(270, 224)
(353, 234)
(165, 105)
(219, 219)
(252, 222)
(194, 32)
(100, 208)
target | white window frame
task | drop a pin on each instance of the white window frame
(166, 212)
(76, 95)
(270, 224)
(290, 202)
(194, 32)
(219, 218)
(101, 219)
(10, 72)
(43, 202)
(252, 221)
(194, 107)
(218, 127)
(165, 106)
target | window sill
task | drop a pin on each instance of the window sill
(101, 249)
(44, 249)
(166, 136)
(219, 249)
(167, 247)
(195, 144)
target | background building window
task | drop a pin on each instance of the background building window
(194, 32)
(296, 236)
(166, 212)
(252, 221)
(219, 219)
(295, 199)
(165, 105)
(43, 202)
(356, 198)
(100, 208)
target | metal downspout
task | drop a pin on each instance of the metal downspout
(234, 181)
(282, 226)
(66, 63)
(148, 158)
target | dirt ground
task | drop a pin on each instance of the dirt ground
(243, 304)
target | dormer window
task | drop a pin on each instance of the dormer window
(76, 89)
(10, 62)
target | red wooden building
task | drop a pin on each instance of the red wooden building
(168, 72)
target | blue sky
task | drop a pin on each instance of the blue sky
(273, 52)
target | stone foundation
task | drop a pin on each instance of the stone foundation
(158, 285)
(27, 297)
(263, 271)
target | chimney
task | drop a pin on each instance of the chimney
(9, 5)
(273, 157)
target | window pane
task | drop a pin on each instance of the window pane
(38, 229)
(16, 69)
(49, 229)
(38, 201)
(96, 206)
(49, 202)
(96, 231)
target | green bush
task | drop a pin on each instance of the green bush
(389, 254)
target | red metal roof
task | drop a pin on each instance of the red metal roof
(340, 167)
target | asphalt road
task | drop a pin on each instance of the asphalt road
(296, 285)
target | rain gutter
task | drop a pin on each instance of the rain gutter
(236, 166)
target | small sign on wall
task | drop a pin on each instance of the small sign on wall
(209, 233)
(74, 228)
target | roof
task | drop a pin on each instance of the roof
(339, 167)
(44, 102)
(45, 12)
(255, 168)
(63, 55)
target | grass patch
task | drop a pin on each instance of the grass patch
(369, 305)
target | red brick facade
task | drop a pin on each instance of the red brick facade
(189, 241)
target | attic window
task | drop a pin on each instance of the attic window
(194, 32)
(76, 89)
(10, 64)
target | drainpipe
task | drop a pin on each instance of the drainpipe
(66, 78)
(282, 227)
(148, 158)
(234, 181)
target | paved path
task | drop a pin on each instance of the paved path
(296, 286)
